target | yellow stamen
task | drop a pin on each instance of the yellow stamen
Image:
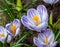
(13, 29)
(2, 35)
(36, 19)
(46, 42)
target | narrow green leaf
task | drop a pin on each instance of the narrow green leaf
(9, 12)
(23, 37)
(51, 19)
(21, 45)
(57, 24)
(57, 36)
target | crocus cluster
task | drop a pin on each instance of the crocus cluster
(11, 30)
(37, 20)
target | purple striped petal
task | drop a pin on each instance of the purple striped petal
(36, 41)
(43, 13)
(17, 31)
(3, 30)
(41, 38)
(26, 23)
(51, 1)
(47, 32)
(32, 12)
(8, 26)
(42, 26)
(16, 22)
(9, 38)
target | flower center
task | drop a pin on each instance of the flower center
(13, 29)
(36, 19)
(46, 41)
(2, 35)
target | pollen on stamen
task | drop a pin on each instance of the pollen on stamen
(36, 19)
(46, 41)
(13, 29)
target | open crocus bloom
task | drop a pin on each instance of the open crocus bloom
(45, 39)
(3, 35)
(36, 19)
(14, 28)
(51, 1)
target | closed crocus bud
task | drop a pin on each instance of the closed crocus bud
(4, 34)
(36, 19)
(13, 28)
(45, 39)
(51, 1)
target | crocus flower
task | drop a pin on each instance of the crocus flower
(51, 1)
(45, 39)
(36, 19)
(4, 34)
(14, 28)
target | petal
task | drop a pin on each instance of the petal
(3, 30)
(8, 26)
(54, 44)
(17, 31)
(36, 41)
(16, 22)
(55, 1)
(26, 23)
(41, 38)
(47, 32)
(43, 13)
(32, 12)
(51, 39)
(51, 1)
(9, 38)
(42, 26)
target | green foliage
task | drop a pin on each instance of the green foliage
(22, 38)
(57, 24)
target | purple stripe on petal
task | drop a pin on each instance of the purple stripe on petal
(31, 13)
(36, 41)
(26, 23)
(43, 12)
(41, 37)
(8, 26)
(16, 22)
(47, 32)
(40, 9)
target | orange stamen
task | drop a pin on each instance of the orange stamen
(36, 18)
(46, 42)
(13, 29)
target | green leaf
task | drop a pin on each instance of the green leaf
(9, 13)
(57, 24)
(23, 37)
(57, 36)
(19, 5)
(21, 45)
(51, 20)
